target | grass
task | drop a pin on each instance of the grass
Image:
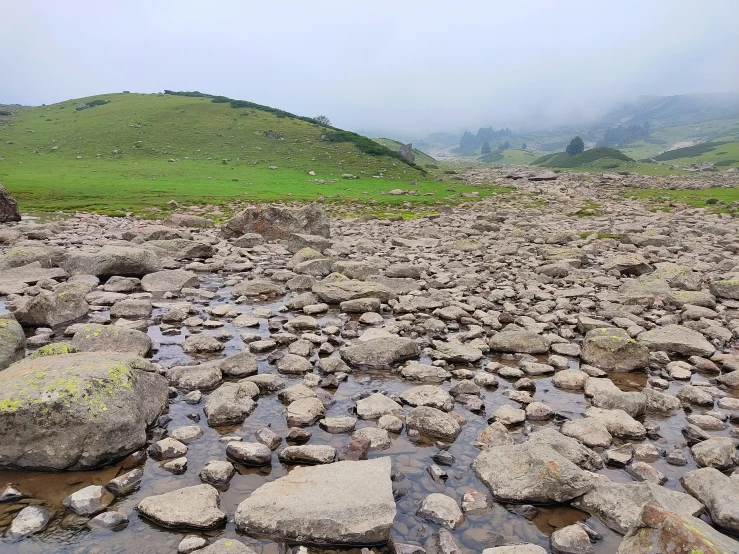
(422, 159)
(564, 160)
(717, 198)
(139, 151)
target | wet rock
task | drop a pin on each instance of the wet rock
(51, 308)
(257, 288)
(530, 473)
(337, 425)
(613, 349)
(376, 406)
(442, 542)
(308, 454)
(76, 411)
(304, 412)
(572, 539)
(618, 504)
(356, 449)
(111, 520)
(113, 260)
(29, 521)
(568, 447)
(173, 280)
(89, 500)
(358, 507)
(126, 483)
(380, 353)
(229, 404)
(434, 423)
(193, 507)
(12, 342)
(227, 546)
(428, 395)
(659, 530)
(441, 509)
(217, 472)
(525, 342)
(166, 449)
(515, 549)
(714, 452)
(415, 371)
(589, 431)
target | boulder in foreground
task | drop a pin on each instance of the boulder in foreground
(344, 503)
(187, 508)
(8, 207)
(76, 411)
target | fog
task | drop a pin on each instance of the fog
(406, 68)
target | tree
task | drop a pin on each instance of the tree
(485, 148)
(323, 120)
(523, 146)
(576, 146)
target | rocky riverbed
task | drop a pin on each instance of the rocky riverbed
(497, 375)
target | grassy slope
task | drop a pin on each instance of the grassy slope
(422, 158)
(199, 135)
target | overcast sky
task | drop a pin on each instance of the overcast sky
(410, 66)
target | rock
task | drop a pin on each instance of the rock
(415, 371)
(337, 288)
(12, 341)
(111, 520)
(357, 506)
(338, 425)
(294, 365)
(88, 501)
(459, 353)
(717, 492)
(193, 507)
(572, 539)
(494, 435)
(202, 343)
(569, 448)
(376, 406)
(428, 395)
(25, 254)
(229, 404)
(530, 473)
(126, 483)
(641, 471)
(52, 308)
(618, 504)
(715, 452)
(441, 509)
(173, 280)
(619, 423)
(355, 450)
(379, 438)
(76, 411)
(188, 220)
(628, 264)
(249, 453)
(226, 546)
(8, 207)
(728, 289)
(613, 349)
(509, 416)
(677, 339)
(190, 544)
(180, 249)
(198, 377)
(167, 449)
(589, 431)
(570, 379)
(659, 530)
(516, 549)
(525, 342)
(442, 542)
(108, 338)
(308, 454)
(257, 287)
(113, 260)
(273, 222)
(304, 412)
(380, 353)
(30, 520)
(131, 309)
(434, 423)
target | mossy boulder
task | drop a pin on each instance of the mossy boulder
(109, 338)
(23, 254)
(613, 349)
(54, 349)
(76, 411)
(50, 308)
(12, 342)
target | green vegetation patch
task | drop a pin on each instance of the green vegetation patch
(564, 160)
(689, 151)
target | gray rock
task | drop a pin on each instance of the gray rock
(89, 500)
(126, 483)
(308, 454)
(51, 308)
(715, 452)
(433, 423)
(618, 504)
(424, 373)
(357, 506)
(569, 448)
(273, 222)
(109, 338)
(249, 453)
(337, 288)
(530, 473)
(380, 353)
(8, 207)
(173, 280)
(526, 342)
(677, 339)
(229, 404)
(227, 546)
(76, 411)
(30, 520)
(428, 395)
(304, 412)
(572, 539)
(613, 349)
(111, 520)
(113, 260)
(217, 472)
(376, 406)
(717, 492)
(197, 377)
(184, 508)
(12, 342)
(441, 509)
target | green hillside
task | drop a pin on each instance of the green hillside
(128, 151)
(422, 158)
(598, 156)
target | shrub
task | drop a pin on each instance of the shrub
(4, 112)
(576, 146)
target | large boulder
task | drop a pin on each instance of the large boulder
(717, 492)
(185, 508)
(64, 304)
(531, 473)
(24, 254)
(618, 504)
(273, 222)
(677, 339)
(613, 349)
(380, 353)
(12, 342)
(433, 423)
(526, 342)
(113, 260)
(111, 338)
(173, 280)
(8, 207)
(76, 411)
(337, 288)
(659, 531)
(356, 505)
